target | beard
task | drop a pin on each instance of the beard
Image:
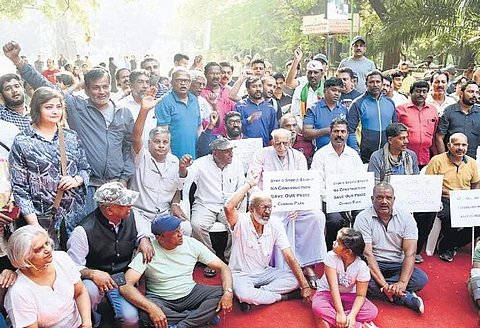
(260, 219)
(12, 103)
(233, 132)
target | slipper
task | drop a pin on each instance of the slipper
(312, 280)
(209, 273)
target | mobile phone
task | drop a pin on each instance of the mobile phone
(13, 214)
(119, 278)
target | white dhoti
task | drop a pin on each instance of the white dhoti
(306, 235)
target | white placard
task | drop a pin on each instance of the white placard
(347, 192)
(244, 149)
(418, 193)
(293, 190)
(465, 208)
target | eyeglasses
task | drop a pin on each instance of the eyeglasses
(281, 143)
(183, 81)
(264, 207)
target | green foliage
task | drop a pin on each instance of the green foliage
(77, 10)
(419, 28)
(269, 27)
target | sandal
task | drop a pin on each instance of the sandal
(209, 273)
(312, 280)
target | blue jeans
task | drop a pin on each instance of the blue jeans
(3, 323)
(90, 204)
(391, 273)
(124, 311)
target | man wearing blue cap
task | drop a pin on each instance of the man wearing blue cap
(173, 299)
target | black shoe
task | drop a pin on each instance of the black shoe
(245, 307)
(448, 255)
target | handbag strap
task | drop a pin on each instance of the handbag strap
(63, 160)
(5, 146)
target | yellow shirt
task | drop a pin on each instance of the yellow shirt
(454, 177)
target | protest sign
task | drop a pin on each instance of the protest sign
(244, 149)
(293, 190)
(465, 208)
(347, 192)
(417, 193)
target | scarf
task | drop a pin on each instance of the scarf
(304, 96)
(278, 164)
(404, 159)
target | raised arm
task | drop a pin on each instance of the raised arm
(148, 102)
(290, 80)
(28, 73)
(234, 91)
(232, 204)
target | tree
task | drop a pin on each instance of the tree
(269, 27)
(52, 9)
(443, 27)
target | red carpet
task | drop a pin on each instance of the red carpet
(447, 303)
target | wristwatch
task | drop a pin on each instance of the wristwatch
(228, 290)
(176, 204)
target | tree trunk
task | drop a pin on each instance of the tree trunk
(467, 58)
(391, 58)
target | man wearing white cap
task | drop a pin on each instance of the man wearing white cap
(103, 245)
(173, 298)
(217, 176)
(306, 95)
(358, 62)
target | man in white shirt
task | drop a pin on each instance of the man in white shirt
(217, 176)
(333, 159)
(156, 172)
(307, 94)
(254, 237)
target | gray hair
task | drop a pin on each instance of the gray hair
(179, 69)
(195, 74)
(258, 195)
(284, 117)
(158, 130)
(20, 249)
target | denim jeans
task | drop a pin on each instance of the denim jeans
(391, 272)
(124, 311)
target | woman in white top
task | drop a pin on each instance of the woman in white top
(48, 291)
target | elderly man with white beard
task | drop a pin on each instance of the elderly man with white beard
(254, 238)
(304, 228)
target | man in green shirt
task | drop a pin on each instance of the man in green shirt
(173, 298)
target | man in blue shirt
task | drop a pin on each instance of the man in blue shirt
(179, 112)
(318, 118)
(259, 118)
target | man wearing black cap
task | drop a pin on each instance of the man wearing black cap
(173, 299)
(358, 62)
(217, 176)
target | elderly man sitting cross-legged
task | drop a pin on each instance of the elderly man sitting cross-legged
(173, 299)
(254, 236)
